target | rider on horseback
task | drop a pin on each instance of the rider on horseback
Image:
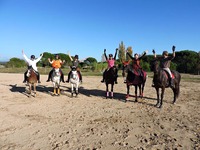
(56, 63)
(75, 63)
(31, 63)
(111, 63)
(165, 61)
(136, 63)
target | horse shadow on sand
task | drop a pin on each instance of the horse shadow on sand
(23, 89)
(98, 93)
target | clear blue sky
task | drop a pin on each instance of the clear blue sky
(86, 27)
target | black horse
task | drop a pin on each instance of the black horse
(134, 78)
(110, 77)
(161, 81)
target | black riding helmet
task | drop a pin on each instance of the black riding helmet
(57, 55)
(165, 53)
(76, 56)
(73, 68)
(32, 56)
(110, 55)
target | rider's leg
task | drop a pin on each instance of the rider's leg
(103, 76)
(25, 77)
(38, 77)
(62, 76)
(69, 76)
(50, 73)
(80, 75)
(171, 84)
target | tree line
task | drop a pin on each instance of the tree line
(186, 61)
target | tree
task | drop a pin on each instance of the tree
(130, 51)
(16, 62)
(91, 60)
(121, 54)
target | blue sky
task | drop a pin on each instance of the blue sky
(86, 27)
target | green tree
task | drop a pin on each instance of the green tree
(91, 60)
(15, 62)
(130, 51)
(121, 54)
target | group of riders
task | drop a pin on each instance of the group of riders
(135, 67)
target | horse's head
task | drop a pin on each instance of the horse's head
(154, 65)
(57, 71)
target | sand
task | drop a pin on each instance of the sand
(92, 122)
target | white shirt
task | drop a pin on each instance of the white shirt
(32, 62)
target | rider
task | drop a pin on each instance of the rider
(165, 61)
(75, 62)
(111, 63)
(31, 63)
(56, 63)
(136, 62)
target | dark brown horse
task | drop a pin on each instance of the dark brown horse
(134, 78)
(161, 81)
(32, 80)
(110, 76)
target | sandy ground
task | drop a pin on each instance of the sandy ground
(91, 122)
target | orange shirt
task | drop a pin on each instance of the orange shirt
(56, 63)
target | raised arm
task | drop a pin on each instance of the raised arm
(25, 57)
(115, 53)
(173, 50)
(130, 55)
(38, 59)
(154, 53)
(105, 54)
(70, 56)
(145, 52)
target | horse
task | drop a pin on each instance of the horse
(110, 76)
(74, 81)
(55, 78)
(32, 80)
(160, 80)
(134, 78)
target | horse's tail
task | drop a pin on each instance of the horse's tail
(178, 78)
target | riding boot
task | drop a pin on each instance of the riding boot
(50, 73)
(69, 74)
(38, 77)
(25, 77)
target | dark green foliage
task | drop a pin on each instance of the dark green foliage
(15, 62)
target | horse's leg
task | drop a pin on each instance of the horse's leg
(136, 93)
(158, 101)
(107, 92)
(112, 85)
(34, 86)
(58, 90)
(72, 89)
(162, 95)
(77, 89)
(128, 89)
(140, 90)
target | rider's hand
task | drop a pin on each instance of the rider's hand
(41, 54)
(173, 48)
(153, 51)
(146, 51)
(116, 49)
(104, 50)
(22, 51)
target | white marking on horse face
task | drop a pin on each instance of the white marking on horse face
(28, 73)
(74, 74)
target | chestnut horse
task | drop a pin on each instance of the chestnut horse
(32, 80)
(161, 81)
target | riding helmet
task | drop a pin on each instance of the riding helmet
(32, 56)
(76, 56)
(110, 55)
(135, 54)
(165, 53)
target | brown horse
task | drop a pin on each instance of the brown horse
(110, 76)
(135, 79)
(161, 81)
(32, 80)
